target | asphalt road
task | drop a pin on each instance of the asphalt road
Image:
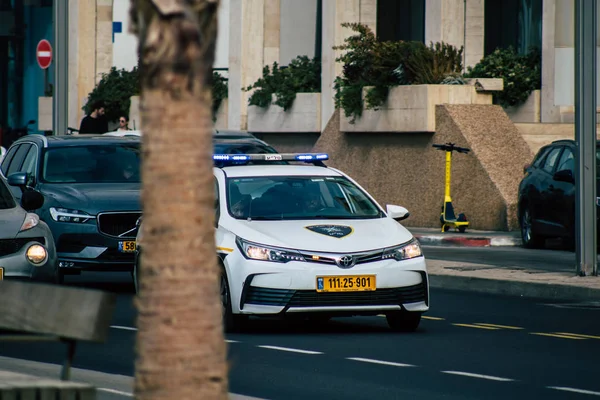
(531, 349)
(506, 257)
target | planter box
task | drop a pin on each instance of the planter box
(303, 116)
(486, 84)
(528, 112)
(411, 108)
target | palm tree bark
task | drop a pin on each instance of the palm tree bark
(180, 347)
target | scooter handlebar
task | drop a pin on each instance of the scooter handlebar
(451, 147)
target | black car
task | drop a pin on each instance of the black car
(547, 195)
(91, 186)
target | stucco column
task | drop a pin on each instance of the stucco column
(336, 12)
(444, 22)
(550, 113)
(104, 11)
(86, 54)
(474, 32)
(272, 31)
(73, 103)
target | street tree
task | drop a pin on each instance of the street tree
(180, 348)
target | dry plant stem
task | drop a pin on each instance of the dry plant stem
(181, 353)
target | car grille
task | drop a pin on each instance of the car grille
(121, 224)
(325, 258)
(11, 246)
(312, 298)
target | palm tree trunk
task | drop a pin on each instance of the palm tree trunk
(180, 348)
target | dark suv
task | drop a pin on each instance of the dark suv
(91, 186)
(547, 195)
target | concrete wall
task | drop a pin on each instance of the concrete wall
(403, 168)
(298, 29)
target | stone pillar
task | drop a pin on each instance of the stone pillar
(104, 11)
(474, 32)
(444, 22)
(254, 29)
(336, 12)
(74, 109)
(549, 112)
(86, 54)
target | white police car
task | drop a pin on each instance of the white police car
(295, 237)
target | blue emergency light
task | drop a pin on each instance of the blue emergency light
(240, 159)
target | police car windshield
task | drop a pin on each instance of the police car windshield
(110, 163)
(298, 197)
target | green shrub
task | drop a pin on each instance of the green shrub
(302, 75)
(521, 74)
(381, 65)
(219, 92)
(115, 88)
(118, 86)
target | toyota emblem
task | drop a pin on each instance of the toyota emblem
(346, 262)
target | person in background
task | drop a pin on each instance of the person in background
(123, 124)
(95, 122)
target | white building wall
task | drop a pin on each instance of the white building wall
(298, 29)
(125, 43)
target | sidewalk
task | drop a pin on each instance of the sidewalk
(471, 238)
(521, 282)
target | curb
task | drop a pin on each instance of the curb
(469, 241)
(534, 290)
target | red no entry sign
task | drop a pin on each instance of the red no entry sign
(44, 54)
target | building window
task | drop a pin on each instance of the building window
(401, 20)
(516, 23)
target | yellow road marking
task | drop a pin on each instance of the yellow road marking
(432, 318)
(579, 335)
(227, 249)
(477, 326)
(498, 326)
(557, 335)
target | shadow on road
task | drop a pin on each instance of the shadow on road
(115, 282)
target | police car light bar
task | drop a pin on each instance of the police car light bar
(306, 157)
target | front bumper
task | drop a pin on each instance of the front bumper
(263, 288)
(80, 247)
(16, 265)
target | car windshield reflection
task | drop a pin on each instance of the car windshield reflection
(298, 197)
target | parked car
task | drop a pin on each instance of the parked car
(27, 249)
(547, 195)
(91, 184)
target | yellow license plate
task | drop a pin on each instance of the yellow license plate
(127, 247)
(346, 283)
(1, 273)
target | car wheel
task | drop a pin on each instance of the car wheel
(530, 239)
(231, 322)
(403, 321)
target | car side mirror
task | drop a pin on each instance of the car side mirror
(397, 213)
(566, 175)
(32, 200)
(18, 179)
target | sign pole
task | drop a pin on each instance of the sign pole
(60, 113)
(585, 136)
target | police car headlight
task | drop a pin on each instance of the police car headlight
(255, 251)
(407, 251)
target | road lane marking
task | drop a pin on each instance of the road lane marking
(568, 389)
(499, 326)
(477, 326)
(557, 335)
(124, 328)
(432, 318)
(118, 392)
(289, 349)
(579, 335)
(368, 360)
(470, 375)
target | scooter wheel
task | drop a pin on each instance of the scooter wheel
(462, 229)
